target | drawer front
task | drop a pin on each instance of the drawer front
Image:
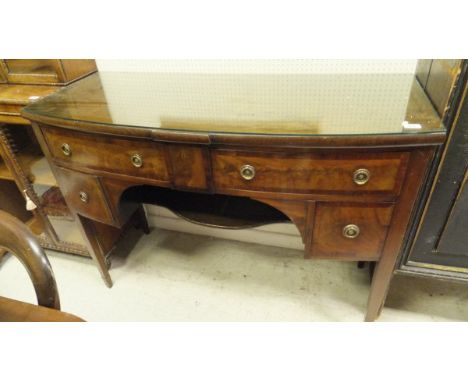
(130, 157)
(348, 231)
(84, 194)
(307, 173)
(189, 167)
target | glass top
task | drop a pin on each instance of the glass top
(248, 103)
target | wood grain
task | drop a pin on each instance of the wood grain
(189, 167)
(309, 178)
(108, 154)
(328, 241)
(308, 173)
(73, 183)
(416, 173)
(45, 71)
(14, 97)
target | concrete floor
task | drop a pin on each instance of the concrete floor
(171, 276)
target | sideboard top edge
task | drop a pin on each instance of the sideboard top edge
(206, 138)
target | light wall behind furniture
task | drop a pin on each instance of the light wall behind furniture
(282, 235)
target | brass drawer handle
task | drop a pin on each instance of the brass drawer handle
(361, 176)
(66, 149)
(351, 231)
(247, 172)
(137, 160)
(84, 197)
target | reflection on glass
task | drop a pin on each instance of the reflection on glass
(269, 103)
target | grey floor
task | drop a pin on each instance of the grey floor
(171, 276)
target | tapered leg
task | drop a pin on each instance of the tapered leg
(415, 173)
(95, 248)
(383, 274)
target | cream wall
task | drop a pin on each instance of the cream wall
(282, 235)
(259, 66)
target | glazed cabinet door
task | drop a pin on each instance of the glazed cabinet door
(454, 238)
(441, 242)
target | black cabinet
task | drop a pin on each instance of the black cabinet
(438, 243)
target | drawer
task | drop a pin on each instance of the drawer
(310, 172)
(350, 231)
(137, 158)
(84, 194)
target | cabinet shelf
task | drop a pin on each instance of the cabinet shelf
(34, 164)
(39, 174)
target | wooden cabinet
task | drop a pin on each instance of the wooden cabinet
(25, 174)
(26, 80)
(337, 217)
(44, 71)
(116, 140)
(13, 97)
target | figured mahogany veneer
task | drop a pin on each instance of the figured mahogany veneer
(86, 151)
(330, 219)
(85, 194)
(312, 182)
(343, 156)
(309, 172)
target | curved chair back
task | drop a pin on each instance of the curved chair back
(17, 238)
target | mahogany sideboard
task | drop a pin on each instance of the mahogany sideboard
(343, 157)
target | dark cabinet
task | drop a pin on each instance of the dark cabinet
(440, 237)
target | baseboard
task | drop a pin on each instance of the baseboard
(284, 235)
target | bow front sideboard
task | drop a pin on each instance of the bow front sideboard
(343, 157)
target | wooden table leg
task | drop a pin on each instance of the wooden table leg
(379, 288)
(416, 172)
(95, 248)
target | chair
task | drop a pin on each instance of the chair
(17, 239)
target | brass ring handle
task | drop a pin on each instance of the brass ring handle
(247, 172)
(137, 160)
(66, 149)
(84, 197)
(351, 231)
(361, 176)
